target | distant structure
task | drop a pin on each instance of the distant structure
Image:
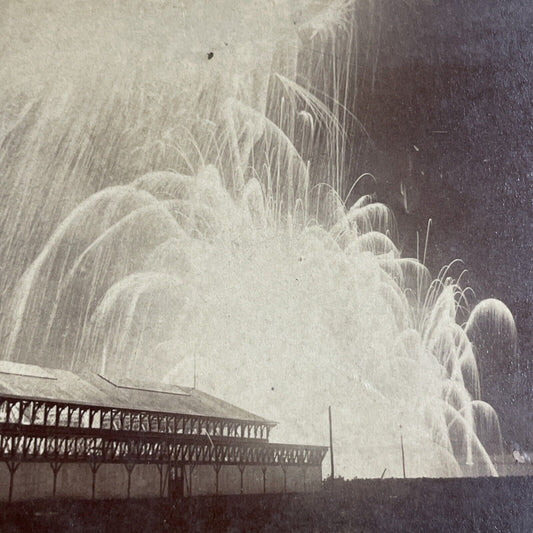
(94, 436)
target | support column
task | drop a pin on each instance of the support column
(284, 468)
(241, 470)
(55, 466)
(160, 468)
(191, 470)
(167, 481)
(12, 467)
(264, 470)
(129, 469)
(94, 468)
(217, 467)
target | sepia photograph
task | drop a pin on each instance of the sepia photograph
(266, 265)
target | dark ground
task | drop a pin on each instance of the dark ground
(439, 505)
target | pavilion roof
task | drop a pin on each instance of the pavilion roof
(92, 389)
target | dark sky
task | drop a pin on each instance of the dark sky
(455, 78)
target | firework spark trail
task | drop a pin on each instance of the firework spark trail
(174, 174)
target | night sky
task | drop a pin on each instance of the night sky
(455, 79)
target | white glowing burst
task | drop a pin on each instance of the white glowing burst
(176, 134)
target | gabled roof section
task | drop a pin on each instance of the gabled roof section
(38, 383)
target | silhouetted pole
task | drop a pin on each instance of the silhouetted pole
(331, 445)
(194, 372)
(403, 455)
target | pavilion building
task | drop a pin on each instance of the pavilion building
(94, 436)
